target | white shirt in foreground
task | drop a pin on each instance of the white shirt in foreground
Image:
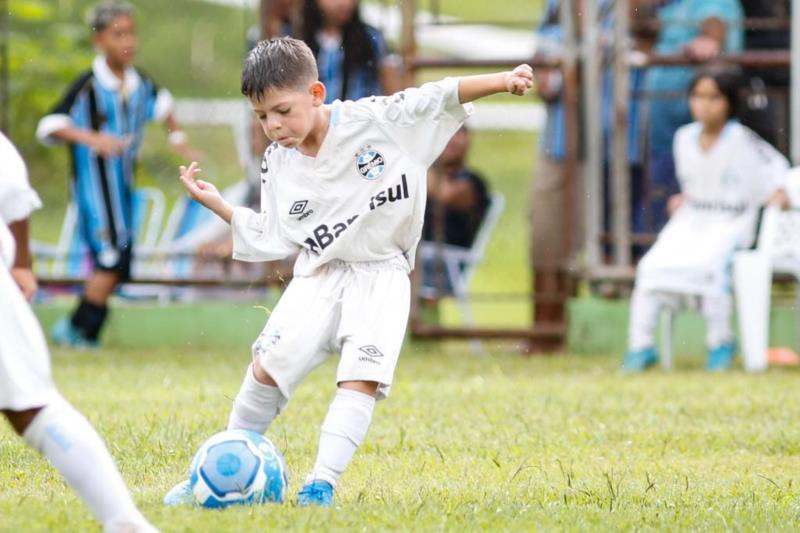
(363, 197)
(17, 199)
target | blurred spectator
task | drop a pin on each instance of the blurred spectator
(726, 172)
(352, 56)
(643, 36)
(457, 203)
(702, 29)
(549, 255)
(766, 110)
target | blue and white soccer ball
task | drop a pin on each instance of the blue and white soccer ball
(238, 467)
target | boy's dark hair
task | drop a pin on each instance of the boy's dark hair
(105, 13)
(281, 63)
(728, 79)
(359, 50)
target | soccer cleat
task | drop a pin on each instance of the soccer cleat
(180, 494)
(65, 334)
(721, 357)
(639, 360)
(317, 492)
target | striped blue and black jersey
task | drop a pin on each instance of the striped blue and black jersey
(102, 186)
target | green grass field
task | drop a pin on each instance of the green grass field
(498, 442)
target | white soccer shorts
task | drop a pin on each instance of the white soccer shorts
(25, 380)
(357, 309)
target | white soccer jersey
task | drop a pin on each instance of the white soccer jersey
(24, 362)
(17, 199)
(724, 188)
(363, 197)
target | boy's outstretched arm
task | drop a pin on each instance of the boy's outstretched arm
(205, 192)
(515, 82)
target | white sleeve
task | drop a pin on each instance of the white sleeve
(164, 105)
(257, 237)
(772, 168)
(50, 124)
(422, 120)
(17, 199)
(678, 156)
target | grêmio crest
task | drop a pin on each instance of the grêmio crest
(370, 163)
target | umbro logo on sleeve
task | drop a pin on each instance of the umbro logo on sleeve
(299, 208)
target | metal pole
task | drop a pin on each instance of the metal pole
(408, 46)
(593, 135)
(795, 84)
(621, 194)
(570, 102)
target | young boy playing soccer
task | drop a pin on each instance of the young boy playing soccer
(28, 397)
(103, 117)
(343, 185)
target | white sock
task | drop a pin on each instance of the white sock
(717, 311)
(343, 431)
(75, 449)
(256, 405)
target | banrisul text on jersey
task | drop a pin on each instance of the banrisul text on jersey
(324, 234)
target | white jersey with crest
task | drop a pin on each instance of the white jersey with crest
(362, 198)
(724, 188)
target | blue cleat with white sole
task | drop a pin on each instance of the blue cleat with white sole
(721, 358)
(639, 360)
(66, 335)
(179, 495)
(318, 493)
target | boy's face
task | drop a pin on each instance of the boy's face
(288, 115)
(118, 41)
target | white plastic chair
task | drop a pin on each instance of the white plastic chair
(461, 263)
(777, 251)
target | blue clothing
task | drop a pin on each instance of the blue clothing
(103, 187)
(362, 81)
(680, 24)
(552, 141)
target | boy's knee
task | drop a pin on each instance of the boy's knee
(20, 420)
(365, 387)
(261, 375)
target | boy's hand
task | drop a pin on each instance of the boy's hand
(107, 145)
(675, 202)
(25, 280)
(204, 192)
(519, 80)
(781, 199)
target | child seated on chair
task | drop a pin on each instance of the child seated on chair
(457, 202)
(726, 172)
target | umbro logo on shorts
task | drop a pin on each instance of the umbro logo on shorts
(371, 351)
(298, 207)
(371, 354)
